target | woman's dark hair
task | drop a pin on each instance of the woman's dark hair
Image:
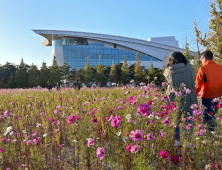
(176, 58)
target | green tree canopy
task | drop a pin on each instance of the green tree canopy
(54, 73)
(113, 76)
(125, 72)
(100, 76)
(33, 76)
(138, 71)
(22, 75)
(43, 75)
(88, 74)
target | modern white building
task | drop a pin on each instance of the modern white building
(73, 48)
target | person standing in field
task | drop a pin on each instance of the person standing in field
(209, 82)
(180, 74)
(49, 86)
(58, 86)
(76, 84)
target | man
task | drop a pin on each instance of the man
(49, 86)
(209, 82)
(76, 84)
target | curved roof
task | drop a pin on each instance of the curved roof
(135, 44)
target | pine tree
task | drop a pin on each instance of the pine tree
(43, 75)
(100, 76)
(113, 77)
(33, 73)
(72, 74)
(138, 71)
(88, 74)
(186, 52)
(151, 72)
(54, 74)
(80, 75)
(125, 72)
(22, 75)
(11, 82)
(64, 71)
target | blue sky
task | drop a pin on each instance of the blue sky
(140, 19)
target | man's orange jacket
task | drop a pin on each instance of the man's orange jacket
(209, 80)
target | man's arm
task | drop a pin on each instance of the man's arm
(199, 81)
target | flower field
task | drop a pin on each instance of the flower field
(103, 128)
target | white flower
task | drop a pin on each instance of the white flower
(197, 138)
(157, 117)
(113, 84)
(24, 131)
(45, 135)
(5, 134)
(128, 116)
(125, 139)
(75, 141)
(213, 132)
(118, 133)
(11, 133)
(38, 125)
(155, 78)
(9, 129)
(150, 116)
(132, 81)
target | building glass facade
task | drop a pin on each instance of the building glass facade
(75, 53)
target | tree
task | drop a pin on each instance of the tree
(88, 74)
(165, 61)
(113, 77)
(11, 82)
(100, 76)
(186, 51)
(43, 75)
(125, 72)
(54, 74)
(6, 70)
(72, 74)
(22, 75)
(33, 73)
(138, 71)
(151, 72)
(131, 71)
(64, 71)
(80, 75)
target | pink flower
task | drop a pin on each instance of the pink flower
(135, 148)
(35, 141)
(34, 134)
(136, 136)
(90, 142)
(78, 117)
(28, 142)
(100, 152)
(4, 139)
(197, 112)
(175, 160)
(194, 106)
(164, 154)
(29, 106)
(71, 119)
(162, 134)
(50, 119)
(1, 150)
(150, 137)
(129, 147)
(144, 109)
(188, 91)
(116, 121)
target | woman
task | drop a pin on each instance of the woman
(179, 73)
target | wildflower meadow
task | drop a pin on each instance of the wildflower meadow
(104, 128)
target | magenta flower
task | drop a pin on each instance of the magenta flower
(150, 137)
(144, 109)
(56, 111)
(29, 106)
(94, 120)
(35, 141)
(175, 160)
(129, 147)
(136, 136)
(4, 139)
(90, 142)
(162, 134)
(164, 84)
(197, 112)
(1, 150)
(50, 119)
(135, 149)
(116, 121)
(164, 154)
(100, 152)
(71, 119)
(78, 117)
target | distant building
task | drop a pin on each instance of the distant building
(74, 47)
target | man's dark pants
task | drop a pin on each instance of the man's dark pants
(208, 114)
